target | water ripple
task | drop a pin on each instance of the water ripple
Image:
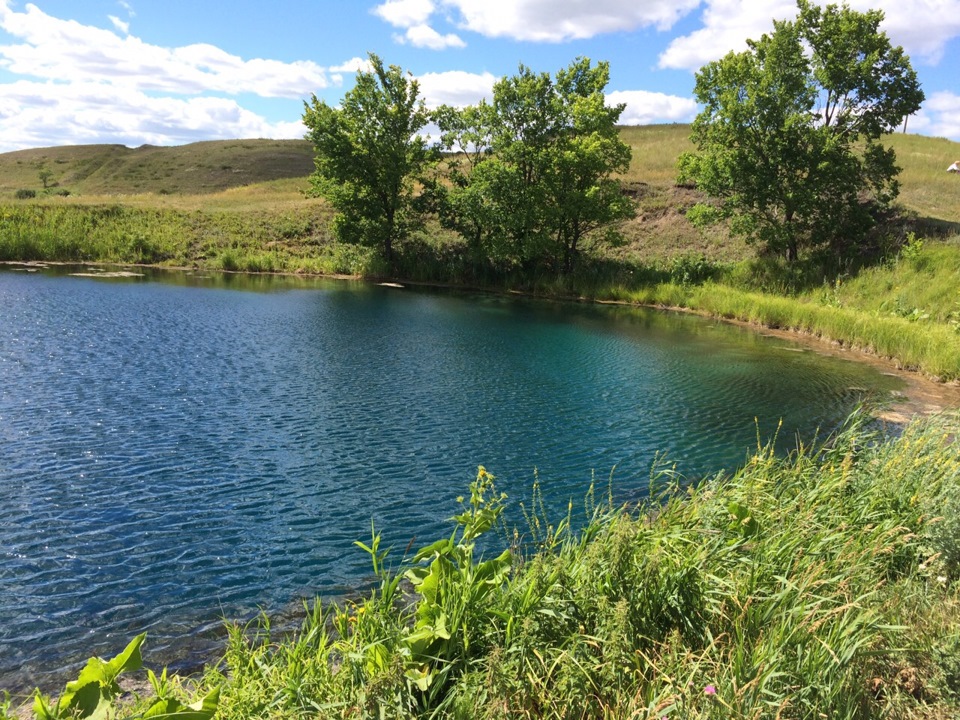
(170, 455)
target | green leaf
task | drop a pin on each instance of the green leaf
(172, 709)
(422, 677)
(440, 628)
(440, 547)
(376, 658)
(42, 709)
(745, 523)
(82, 697)
(127, 661)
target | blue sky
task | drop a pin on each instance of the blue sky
(168, 72)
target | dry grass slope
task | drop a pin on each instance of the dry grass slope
(197, 168)
(208, 168)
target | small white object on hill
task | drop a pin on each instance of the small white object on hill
(955, 167)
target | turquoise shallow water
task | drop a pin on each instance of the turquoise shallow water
(176, 449)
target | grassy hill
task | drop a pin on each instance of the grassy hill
(198, 168)
(927, 188)
(209, 168)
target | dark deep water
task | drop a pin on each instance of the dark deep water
(175, 450)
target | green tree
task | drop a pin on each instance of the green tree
(370, 155)
(534, 174)
(45, 174)
(582, 193)
(460, 197)
(789, 136)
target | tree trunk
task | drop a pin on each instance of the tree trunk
(792, 250)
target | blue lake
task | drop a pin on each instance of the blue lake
(177, 449)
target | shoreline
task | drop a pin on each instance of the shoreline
(925, 394)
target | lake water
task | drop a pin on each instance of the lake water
(177, 449)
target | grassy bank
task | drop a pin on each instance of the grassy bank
(821, 585)
(294, 240)
(913, 343)
(826, 584)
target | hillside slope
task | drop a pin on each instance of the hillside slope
(197, 168)
(205, 168)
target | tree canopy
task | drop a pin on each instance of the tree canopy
(528, 176)
(369, 154)
(789, 136)
(535, 168)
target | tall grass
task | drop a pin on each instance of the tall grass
(825, 584)
(281, 240)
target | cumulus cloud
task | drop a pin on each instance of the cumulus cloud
(425, 36)
(533, 20)
(405, 13)
(455, 88)
(939, 116)
(727, 25)
(412, 16)
(922, 27)
(67, 51)
(460, 89)
(353, 65)
(560, 20)
(645, 108)
(37, 114)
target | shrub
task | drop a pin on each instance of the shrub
(25, 194)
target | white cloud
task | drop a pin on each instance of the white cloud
(119, 24)
(455, 88)
(84, 84)
(405, 13)
(533, 20)
(39, 114)
(351, 66)
(354, 64)
(939, 117)
(460, 89)
(412, 16)
(922, 27)
(727, 25)
(424, 36)
(645, 108)
(560, 20)
(67, 51)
